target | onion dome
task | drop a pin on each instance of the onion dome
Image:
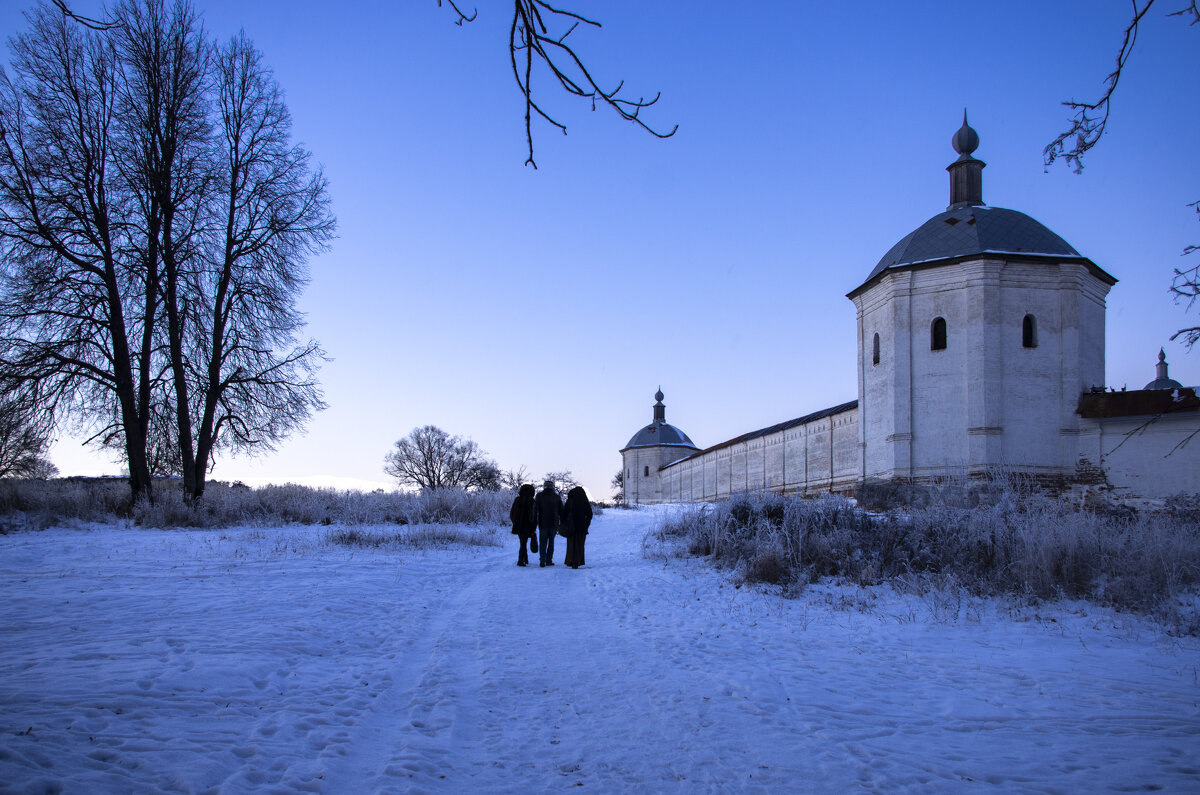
(966, 140)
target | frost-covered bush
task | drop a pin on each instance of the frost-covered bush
(40, 504)
(1013, 543)
(37, 504)
(418, 536)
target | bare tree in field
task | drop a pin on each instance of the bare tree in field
(1089, 123)
(563, 480)
(78, 305)
(537, 40)
(24, 439)
(165, 154)
(483, 475)
(235, 360)
(156, 221)
(430, 458)
(514, 478)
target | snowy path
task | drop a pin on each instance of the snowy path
(243, 660)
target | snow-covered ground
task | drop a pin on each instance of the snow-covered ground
(139, 660)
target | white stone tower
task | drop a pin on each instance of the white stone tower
(977, 333)
(650, 448)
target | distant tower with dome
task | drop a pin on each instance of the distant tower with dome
(651, 448)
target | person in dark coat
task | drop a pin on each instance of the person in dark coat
(547, 508)
(577, 517)
(523, 522)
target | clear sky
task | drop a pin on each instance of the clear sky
(537, 311)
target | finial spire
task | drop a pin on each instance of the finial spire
(1160, 369)
(966, 173)
(660, 410)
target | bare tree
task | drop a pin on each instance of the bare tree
(166, 156)
(78, 305)
(618, 485)
(514, 478)
(237, 368)
(1088, 125)
(563, 480)
(156, 220)
(538, 37)
(24, 439)
(483, 475)
(430, 458)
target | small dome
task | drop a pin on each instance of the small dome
(1162, 380)
(658, 434)
(969, 230)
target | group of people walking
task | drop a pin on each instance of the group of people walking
(537, 519)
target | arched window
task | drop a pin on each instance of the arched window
(875, 350)
(646, 474)
(1029, 332)
(937, 334)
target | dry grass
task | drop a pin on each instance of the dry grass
(1017, 543)
(31, 505)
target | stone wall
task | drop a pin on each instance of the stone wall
(807, 456)
(1142, 444)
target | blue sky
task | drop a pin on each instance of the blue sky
(537, 311)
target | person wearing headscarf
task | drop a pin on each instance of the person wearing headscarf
(547, 508)
(577, 517)
(524, 525)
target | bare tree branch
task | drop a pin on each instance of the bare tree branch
(461, 16)
(531, 41)
(94, 24)
(1183, 443)
(1186, 287)
(1091, 118)
(1088, 126)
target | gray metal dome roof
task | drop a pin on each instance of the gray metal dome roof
(659, 434)
(974, 229)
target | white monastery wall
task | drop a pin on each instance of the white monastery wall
(1146, 456)
(807, 458)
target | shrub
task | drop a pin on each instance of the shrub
(416, 536)
(1015, 542)
(40, 504)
